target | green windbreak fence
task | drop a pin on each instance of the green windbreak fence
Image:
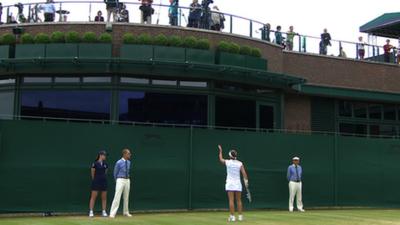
(45, 166)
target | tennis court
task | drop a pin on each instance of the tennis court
(315, 217)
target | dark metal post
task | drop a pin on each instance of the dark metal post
(231, 22)
(299, 43)
(251, 28)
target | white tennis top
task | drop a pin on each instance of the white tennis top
(233, 170)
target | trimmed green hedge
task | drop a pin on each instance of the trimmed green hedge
(8, 39)
(57, 37)
(42, 38)
(105, 38)
(231, 47)
(89, 37)
(72, 37)
(27, 39)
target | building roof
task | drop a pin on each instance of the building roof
(386, 25)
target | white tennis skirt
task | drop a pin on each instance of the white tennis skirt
(233, 186)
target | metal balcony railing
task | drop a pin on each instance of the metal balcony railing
(85, 11)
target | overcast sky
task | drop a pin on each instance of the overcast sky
(342, 18)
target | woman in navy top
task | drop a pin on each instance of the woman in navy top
(99, 182)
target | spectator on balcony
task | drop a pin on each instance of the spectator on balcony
(217, 19)
(278, 36)
(265, 32)
(111, 6)
(290, 38)
(99, 17)
(325, 42)
(342, 53)
(173, 12)
(1, 12)
(398, 53)
(146, 11)
(49, 11)
(387, 48)
(123, 14)
(194, 14)
(361, 48)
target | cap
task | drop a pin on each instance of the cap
(102, 153)
(296, 158)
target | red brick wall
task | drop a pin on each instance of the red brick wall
(347, 73)
(319, 70)
(297, 113)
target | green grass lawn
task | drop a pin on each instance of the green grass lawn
(317, 217)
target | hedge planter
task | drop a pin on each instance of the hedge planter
(200, 56)
(256, 63)
(95, 51)
(23, 51)
(230, 59)
(5, 51)
(169, 54)
(61, 50)
(136, 52)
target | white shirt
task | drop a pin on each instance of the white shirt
(361, 45)
(48, 8)
(233, 170)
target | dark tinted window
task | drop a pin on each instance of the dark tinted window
(162, 108)
(389, 112)
(383, 130)
(66, 104)
(345, 109)
(353, 129)
(360, 110)
(266, 117)
(375, 112)
(235, 113)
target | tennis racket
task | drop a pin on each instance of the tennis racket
(248, 194)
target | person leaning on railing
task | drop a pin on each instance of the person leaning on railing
(387, 51)
(123, 14)
(173, 12)
(194, 14)
(99, 17)
(279, 40)
(49, 11)
(398, 53)
(325, 42)
(265, 32)
(146, 11)
(217, 19)
(111, 6)
(289, 38)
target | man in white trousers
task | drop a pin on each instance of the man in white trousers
(294, 175)
(123, 184)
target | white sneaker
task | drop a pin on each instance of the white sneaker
(302, 210)
(91, 214)
(290, 210)
(104, 214)
(240, 217)
(128, 215)
(112, 217)
(231, 218)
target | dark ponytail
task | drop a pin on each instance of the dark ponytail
(97, 158)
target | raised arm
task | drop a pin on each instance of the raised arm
(245, 177)
(221, 159)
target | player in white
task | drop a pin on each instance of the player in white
(233, 182)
